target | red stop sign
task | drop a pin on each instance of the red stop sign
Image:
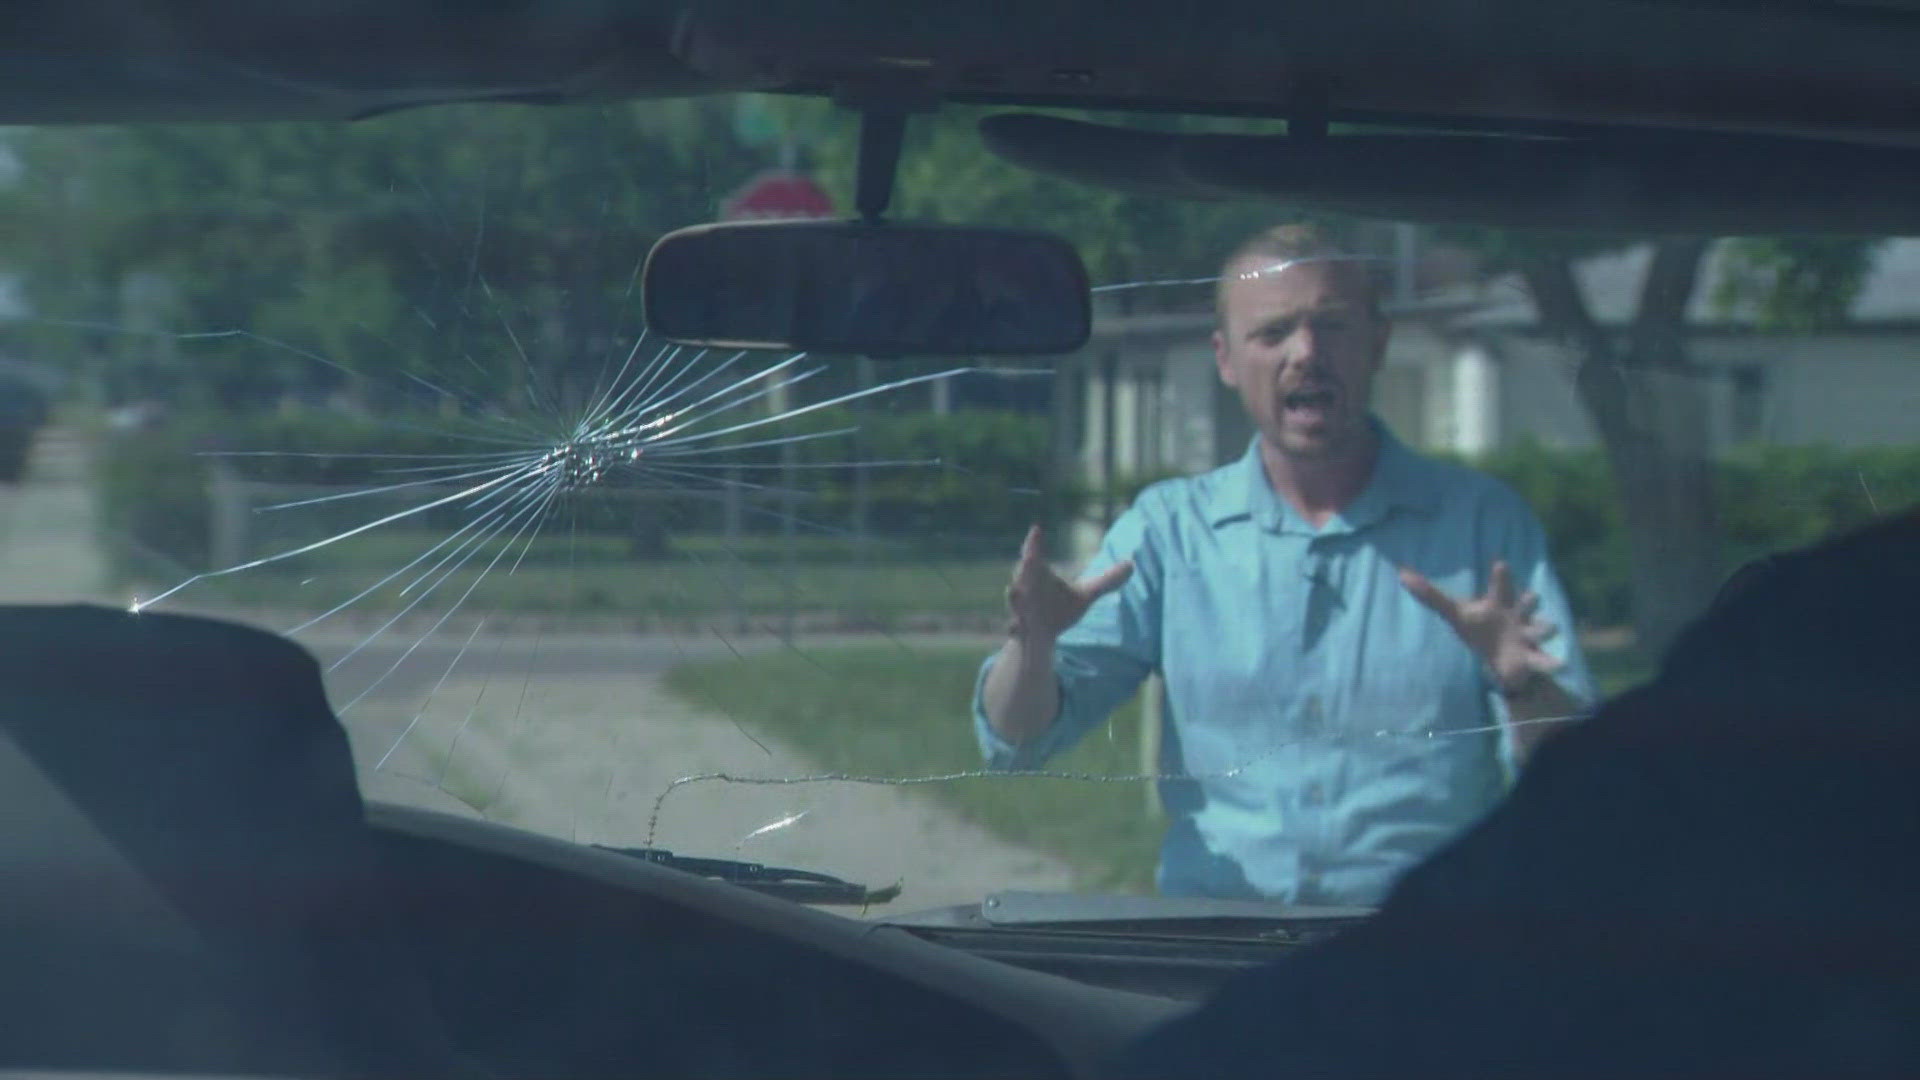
(774, 195)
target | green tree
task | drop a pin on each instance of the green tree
(1649, 409)
(436, 245)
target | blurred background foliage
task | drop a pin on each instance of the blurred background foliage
(470, 271)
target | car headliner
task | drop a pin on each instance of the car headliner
(1828, 68)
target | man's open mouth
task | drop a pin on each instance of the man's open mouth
(1318, 400)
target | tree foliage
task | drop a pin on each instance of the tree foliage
(462, 245)
(412, 245)
(1795, 283)
(1648, 402)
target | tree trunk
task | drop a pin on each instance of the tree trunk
(1653, 425)
(1651, 412)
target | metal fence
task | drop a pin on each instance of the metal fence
(758, 523)
(747, 557)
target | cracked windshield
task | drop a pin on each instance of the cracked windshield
(1264, 592)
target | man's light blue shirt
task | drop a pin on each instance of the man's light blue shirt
(1335, 731)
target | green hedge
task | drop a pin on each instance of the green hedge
(1766, 498)
(1775, 496)
(982, 481)
(153, 511)
(1573, 494)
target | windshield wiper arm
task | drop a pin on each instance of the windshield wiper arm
(799, 886)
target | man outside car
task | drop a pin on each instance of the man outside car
(1358, 643)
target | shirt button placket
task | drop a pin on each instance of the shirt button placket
(1313, 796)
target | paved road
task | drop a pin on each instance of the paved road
(565, 733)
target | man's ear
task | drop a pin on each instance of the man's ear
(1222, 362)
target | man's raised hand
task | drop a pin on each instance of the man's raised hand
(1499, 626)
(1041, 604)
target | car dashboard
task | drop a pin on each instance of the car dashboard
(551, 959)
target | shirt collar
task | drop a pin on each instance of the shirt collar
(1402, 480)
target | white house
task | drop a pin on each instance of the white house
(1857, 385)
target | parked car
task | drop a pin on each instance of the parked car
(24, 410)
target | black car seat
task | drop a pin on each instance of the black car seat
(189, 882)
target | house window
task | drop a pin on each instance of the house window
(1746, 402)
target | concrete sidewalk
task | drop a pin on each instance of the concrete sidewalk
(49, 544)
(589, 758)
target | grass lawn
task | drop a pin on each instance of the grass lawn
(888, 711)
(387, 548)
(711, 580)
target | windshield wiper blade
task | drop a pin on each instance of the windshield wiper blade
(799, 886)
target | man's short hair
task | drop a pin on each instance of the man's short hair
(1290, 243)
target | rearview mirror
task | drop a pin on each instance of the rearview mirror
(874, 289)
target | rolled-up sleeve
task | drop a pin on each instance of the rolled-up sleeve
(1102, 660)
